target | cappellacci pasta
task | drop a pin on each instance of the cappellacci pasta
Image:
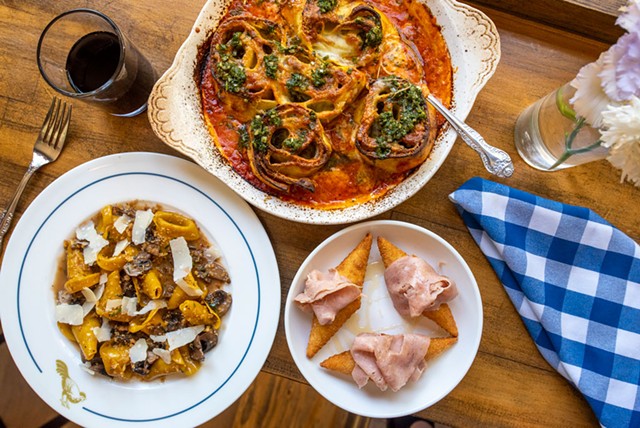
(322, 103)
(142, 292)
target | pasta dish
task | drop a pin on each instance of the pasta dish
(141, 292)
(323, 102)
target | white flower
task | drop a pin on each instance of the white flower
(590, 100)
(621, 68)
(629, 19)
(621, 134)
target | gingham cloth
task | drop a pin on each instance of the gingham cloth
(575, 280)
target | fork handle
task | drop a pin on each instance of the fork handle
(7, 215)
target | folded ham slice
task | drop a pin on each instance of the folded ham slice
(326, 294)
(416, 287)
(389, 361)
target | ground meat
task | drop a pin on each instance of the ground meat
(139, 265)
(124, 210)
(152, 248)
(219, 301)
(70, 299)
(156, 330)
(76, 244)
(128, 288)
(96, 365)
(167, 290)
(174, 320)
(141, 367)
(121, 336)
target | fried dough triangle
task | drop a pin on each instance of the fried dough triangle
(345, 364)
(441, 316)
(353, 267)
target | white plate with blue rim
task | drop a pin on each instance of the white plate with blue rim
(30, 264)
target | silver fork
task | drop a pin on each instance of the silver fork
(47, 148)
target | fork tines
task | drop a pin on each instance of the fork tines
(56, 123)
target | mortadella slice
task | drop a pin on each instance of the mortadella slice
(390, 361)
(416, 287)
(326, 294)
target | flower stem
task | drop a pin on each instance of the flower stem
(568, 142)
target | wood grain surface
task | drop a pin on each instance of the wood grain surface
(594, 19)
(509, 384)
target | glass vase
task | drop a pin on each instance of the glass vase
(550, 136)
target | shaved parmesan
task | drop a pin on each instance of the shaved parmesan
(159, 338)
(102, 333)
(140, 224)
(213, 253)
(121, 223)
(99, 291)
(91, 297)
(113, 304)
(190, 290)
(120, 246)
(182, 337)
(129, 305)
(163, 353)
(103, 279)
(69, 314)
(138, 352)
(153, 304)
(182, 261)
(87, 232)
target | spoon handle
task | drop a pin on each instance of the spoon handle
(495, 160)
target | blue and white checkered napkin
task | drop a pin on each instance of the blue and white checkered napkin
(575, 280)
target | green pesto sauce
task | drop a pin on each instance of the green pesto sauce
(260, 128)
(293, 144)
(412, 111)
(296, 85)
(271, 65)
(373, 37)
(293, 46)
(327, 5)
(231, 73)
(244, 136)
(320, 74)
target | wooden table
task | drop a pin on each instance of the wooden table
(509, 383)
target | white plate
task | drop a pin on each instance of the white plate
(175, 111)
(27, 306)
(378, 315)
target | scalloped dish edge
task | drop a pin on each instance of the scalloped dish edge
(175, 114)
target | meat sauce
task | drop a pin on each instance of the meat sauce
(345, 180)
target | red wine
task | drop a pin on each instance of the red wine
(94, 60)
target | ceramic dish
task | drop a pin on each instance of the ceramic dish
(175, 109)
(378, 315)
(51, 364)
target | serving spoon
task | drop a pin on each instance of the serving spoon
(495, 160)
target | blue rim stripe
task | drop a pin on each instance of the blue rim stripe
(221, 209)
